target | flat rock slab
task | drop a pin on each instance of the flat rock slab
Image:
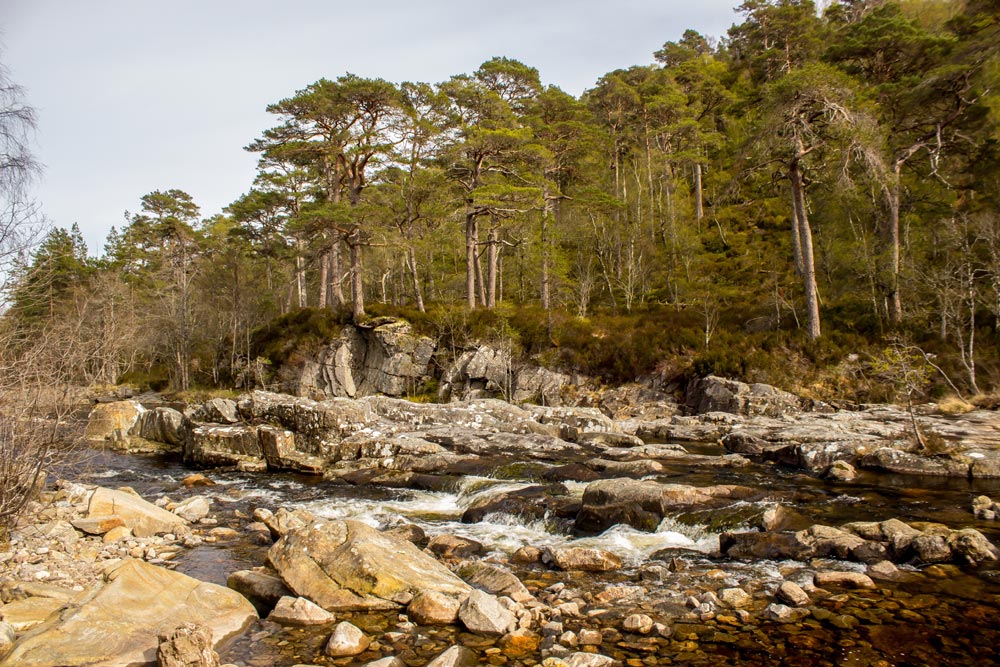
(117, 624)
(29, 612)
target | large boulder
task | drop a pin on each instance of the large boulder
(117, 624)
(381, 357)
(715, 394)
(141, 517)
(643, 504)
(531, 503)
(217, 445)
(111, 422)
(342, 565)
(162, 424)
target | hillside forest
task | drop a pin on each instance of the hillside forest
(809, 200)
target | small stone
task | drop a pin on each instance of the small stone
(845, 579)
(388, 661)
(580, 659)
(639, 623)
(792, 593)
(590, 637)
(433, 608)
(779, 612)
(519, 643)
(482, 613)
(585, 559)
(527, 556)
(299, 611)
(883, 570)
(187, 645)
(346, 640)
(735, 597)
(197, 479)
(456, 656)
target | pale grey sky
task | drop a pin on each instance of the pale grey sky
(142, 95)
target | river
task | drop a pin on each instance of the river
(940, 615)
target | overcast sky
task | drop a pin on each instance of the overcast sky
(142, 95)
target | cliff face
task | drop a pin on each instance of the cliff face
(382, 357)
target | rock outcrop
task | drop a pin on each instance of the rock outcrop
(486, 372)
(380, 357)
(715, 394)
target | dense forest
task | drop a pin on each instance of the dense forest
(779, 204)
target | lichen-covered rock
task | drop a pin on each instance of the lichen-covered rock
(971, 547)
(215, 445)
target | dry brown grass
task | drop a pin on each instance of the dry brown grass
(953, 405)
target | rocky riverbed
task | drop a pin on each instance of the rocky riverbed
(752, 530)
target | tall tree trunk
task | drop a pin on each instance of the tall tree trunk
(418, 297)
(480, 280)
(335, 272)
(300, 273)
(470, 259)
(357, 286)
(324, 268)
(808, 260)
(699, 202)
(492, 248)
(796, 238)
(545, 279)
(893, 194)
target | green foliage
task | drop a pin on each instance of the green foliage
(301, 331)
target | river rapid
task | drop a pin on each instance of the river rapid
(936, 615)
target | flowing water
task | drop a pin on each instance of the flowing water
(940, 616)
